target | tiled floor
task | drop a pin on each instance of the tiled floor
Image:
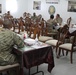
(62, 66)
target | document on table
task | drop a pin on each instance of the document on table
(39, 45)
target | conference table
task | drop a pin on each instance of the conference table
(34, 55)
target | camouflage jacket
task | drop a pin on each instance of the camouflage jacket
(7, 40)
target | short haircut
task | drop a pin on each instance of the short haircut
(51, 16)
(58, 15)
(7, 23)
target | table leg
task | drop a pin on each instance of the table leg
(36, 72)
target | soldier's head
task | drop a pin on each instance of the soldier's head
(34, 14)
(57, 15)
(51, 16)
(7, 24)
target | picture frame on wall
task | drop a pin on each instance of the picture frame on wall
(0, 8)
(71, 6)
(51, 10)
(36, 5)
(52, 1)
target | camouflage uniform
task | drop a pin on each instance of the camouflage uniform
(7, 40)
(34, 18)
(58, 20)
(50, 24)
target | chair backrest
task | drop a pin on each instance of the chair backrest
(27, 24)
(63, 33)
(43, 28)
(69, 21)
(16, 25)
(21, 24)
(73, 40)
(27, 21)
(35, 30)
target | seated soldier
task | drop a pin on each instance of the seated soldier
(69, 21)
(50, 24)
(58, 19)
(34, 17)
(8, 15)
(7, 40)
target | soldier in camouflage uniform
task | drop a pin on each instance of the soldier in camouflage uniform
(7, 40)
(34, 17)
(50, 24)
(58, 19)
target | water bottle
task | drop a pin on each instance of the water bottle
(36, 39)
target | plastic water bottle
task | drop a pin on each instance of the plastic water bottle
(36, 39)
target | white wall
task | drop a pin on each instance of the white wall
(61, 9)
(22, 7)
(27, 6)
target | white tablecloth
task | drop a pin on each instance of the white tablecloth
(71, 30)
